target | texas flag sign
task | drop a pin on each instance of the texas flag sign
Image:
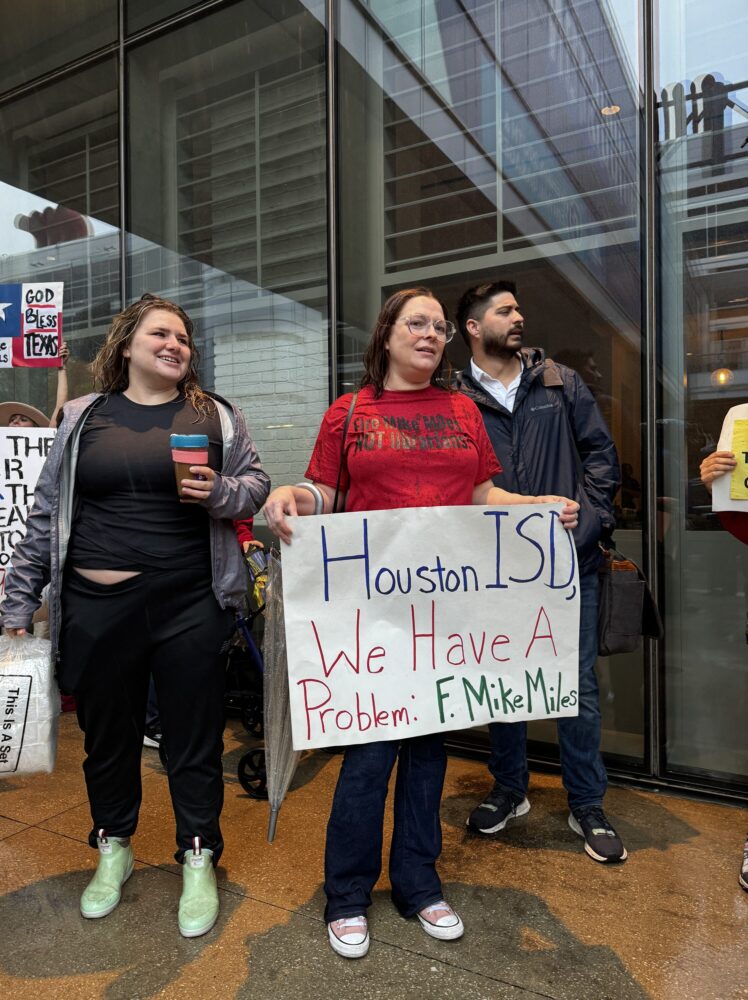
(10, 311)
(31, 325)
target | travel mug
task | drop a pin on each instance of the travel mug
(187, 450)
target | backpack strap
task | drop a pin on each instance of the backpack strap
(342, 454)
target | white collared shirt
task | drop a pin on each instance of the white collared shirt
(496, 388)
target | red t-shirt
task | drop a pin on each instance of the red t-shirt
(426, 448)
(736, 522)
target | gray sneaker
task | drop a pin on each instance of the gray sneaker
(496, 810)
(601, 841)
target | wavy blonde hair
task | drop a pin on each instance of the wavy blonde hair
(110, 369)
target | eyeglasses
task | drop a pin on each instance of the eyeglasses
(419, 327)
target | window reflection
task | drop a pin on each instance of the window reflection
(59, 211)
(38, 36)
(228, 208)
(702, 152)
(473, 146)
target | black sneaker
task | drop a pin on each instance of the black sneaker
(496, 810)
(601, 841)
(743, 876)
(152, 737)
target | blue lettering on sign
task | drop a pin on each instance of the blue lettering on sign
(10, 311)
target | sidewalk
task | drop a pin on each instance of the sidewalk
(542, 919)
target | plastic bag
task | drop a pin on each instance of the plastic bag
(256, 559)
(29, 706)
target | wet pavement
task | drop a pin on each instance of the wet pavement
(542, 919)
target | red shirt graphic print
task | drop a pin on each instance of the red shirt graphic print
(426, 448)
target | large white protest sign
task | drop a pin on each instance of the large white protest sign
(421, 620)
(22, 454)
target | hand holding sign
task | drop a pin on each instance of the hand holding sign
(739, 480)
(715, 465)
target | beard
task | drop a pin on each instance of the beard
(497, 345)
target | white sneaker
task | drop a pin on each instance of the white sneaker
(440, 921)
(349, 936)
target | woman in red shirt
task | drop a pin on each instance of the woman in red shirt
(409, 443)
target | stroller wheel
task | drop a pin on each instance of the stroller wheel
(252, 774)
(252, 715)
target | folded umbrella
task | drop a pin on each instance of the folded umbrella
(280, 757)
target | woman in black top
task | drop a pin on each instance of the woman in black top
(142, 583)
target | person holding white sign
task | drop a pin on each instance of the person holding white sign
(143, 579)
(403, 440)
(713, 468)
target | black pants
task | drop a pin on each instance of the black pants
(168, 625)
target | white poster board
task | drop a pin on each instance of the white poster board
(721, 499)
(429, 619)
(23, 451)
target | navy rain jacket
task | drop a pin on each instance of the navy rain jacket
(536, 446)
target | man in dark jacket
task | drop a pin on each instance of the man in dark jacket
(550, 437)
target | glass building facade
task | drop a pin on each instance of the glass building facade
(280, 166)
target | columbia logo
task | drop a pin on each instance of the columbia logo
(548, 406)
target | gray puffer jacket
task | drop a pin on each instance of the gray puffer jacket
(240, 490)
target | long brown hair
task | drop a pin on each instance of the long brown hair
(109, 367)
(376, 358)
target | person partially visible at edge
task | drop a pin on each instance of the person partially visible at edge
(720, 463)
(14, 414)
(143, 583)
(23, 416)
(404, 368)
(549, 436)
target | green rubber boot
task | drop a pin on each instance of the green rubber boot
(198, 905)
(104, 891)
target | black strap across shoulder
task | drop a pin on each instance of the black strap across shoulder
(342, 453)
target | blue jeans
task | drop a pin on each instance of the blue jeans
(582, 769)
(353, 853)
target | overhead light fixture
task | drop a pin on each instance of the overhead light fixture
(610, 109)
(722, 376)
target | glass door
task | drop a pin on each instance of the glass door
(489, 140)
(702, 157)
